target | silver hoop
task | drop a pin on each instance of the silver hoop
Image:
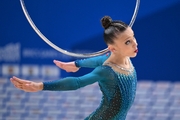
(65, 51)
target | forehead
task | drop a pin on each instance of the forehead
(128, 33)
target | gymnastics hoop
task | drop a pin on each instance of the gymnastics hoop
(65, 51)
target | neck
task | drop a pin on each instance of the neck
(120, 60)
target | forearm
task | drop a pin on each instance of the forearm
(92, 62)
(69, 83)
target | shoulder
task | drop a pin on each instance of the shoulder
(104, 71)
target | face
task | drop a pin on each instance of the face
(125, 44)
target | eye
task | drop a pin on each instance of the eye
(127, 42)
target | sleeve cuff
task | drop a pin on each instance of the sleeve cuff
(77, 63)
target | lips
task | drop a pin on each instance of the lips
(136, 51)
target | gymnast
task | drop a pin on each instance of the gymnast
(113, 71)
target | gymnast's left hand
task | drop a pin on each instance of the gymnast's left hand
(67, 66)
(26, 85)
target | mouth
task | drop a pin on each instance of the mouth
(136, 51)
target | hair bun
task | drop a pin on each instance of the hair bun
(106, 21)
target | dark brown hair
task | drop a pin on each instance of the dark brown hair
(112, 28)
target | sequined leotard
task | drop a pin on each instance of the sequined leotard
(118, 90)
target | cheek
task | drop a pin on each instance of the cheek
(127, 51)
(124, 51)
(126, 48)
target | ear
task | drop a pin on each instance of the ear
(111, 48)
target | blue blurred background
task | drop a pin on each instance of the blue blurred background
(75, 26)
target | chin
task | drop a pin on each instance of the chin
(132, 56)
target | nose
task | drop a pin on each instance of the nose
(135, 43)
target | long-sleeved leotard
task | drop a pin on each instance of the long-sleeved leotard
(118, 90)
(92, 62)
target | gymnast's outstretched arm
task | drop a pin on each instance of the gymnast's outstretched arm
(88, 62)
(64, 84)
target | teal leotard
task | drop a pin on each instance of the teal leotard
(118, 90)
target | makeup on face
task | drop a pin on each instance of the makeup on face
(136, 51)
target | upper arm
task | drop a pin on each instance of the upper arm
(102, 74)
(94, 76)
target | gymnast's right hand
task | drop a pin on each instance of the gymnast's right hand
(26, 85)
(67, 66)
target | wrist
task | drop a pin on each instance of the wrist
(40, 85)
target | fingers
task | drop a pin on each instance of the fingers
(57, 62)
(25, 87)
(19, 83)
(60, 64)
(19, 86)
(67, 66)
(16, 79)
(15, 82)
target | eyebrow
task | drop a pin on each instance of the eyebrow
(128, 38)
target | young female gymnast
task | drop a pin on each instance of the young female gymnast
(114, 73)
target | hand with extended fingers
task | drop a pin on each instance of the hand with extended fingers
(67, 66)
(27, 86)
